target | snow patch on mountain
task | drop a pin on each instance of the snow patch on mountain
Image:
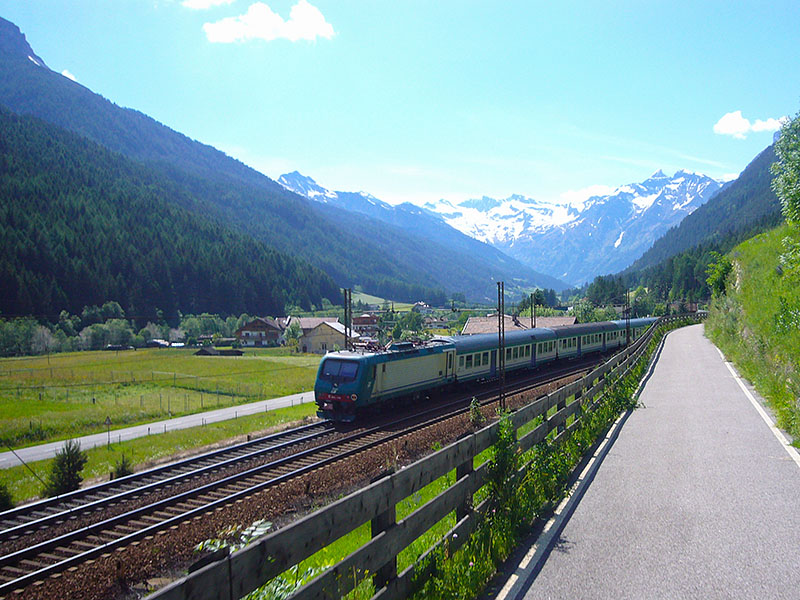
(583, 237)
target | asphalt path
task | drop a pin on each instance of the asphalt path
(693, 495)
(45, 451)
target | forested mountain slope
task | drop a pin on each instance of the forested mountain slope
(384, 260)
(82, 225)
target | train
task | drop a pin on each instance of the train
(350, 383)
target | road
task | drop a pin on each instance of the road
(45, 451)
(694, 495)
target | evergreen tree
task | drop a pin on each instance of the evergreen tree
(65, 472)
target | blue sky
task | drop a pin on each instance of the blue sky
(418, 101)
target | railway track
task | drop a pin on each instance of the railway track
(26, 519)
(35, 561)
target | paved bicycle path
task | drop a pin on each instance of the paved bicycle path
(692, 496)
(45, 451)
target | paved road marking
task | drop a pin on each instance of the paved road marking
(775, 431)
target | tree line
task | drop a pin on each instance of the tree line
(97, 327)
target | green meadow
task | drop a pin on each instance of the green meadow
(61, 396)
(25, 483)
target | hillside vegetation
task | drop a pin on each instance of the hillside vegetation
(756, 322)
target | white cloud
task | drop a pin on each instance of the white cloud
(68, 75)
(204, 4)
(735, 125)
(305, 22)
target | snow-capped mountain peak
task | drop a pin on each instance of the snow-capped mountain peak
(305, 186)
(577, 240)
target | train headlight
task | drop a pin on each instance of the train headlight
(353, 397)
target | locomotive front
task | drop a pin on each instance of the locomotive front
(341, 386)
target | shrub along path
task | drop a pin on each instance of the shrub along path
(46, 451)
(696, 498)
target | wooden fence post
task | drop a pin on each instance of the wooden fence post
(563, 404)
(462, 470)
(379, 524)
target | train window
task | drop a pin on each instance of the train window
(514, 353)
(339, 370)
(485, 359)
(527, 350)
(460, 362)
(469, 361)
(449, 361)
(508, 353)
(374, 371)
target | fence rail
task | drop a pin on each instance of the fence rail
(241, 572)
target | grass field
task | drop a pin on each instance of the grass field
(152, 449)
(368, 299)
(67, 395)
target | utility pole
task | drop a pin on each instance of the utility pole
(501, 345)
(627, 317)
(533, 313)
(348, 316)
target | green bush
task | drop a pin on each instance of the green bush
(5, 497)
(123, 468)
(65, 473)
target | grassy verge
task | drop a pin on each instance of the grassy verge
(152, 449)
(68, 395)
(757, 322)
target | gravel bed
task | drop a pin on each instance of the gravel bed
(141, 567)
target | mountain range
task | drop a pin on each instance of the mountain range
(574, 241)
(578, 240)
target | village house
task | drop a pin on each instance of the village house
(366, 324)
(259, 332)
(325, 337)
(421, 308)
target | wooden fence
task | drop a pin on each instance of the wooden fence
(235, 575)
